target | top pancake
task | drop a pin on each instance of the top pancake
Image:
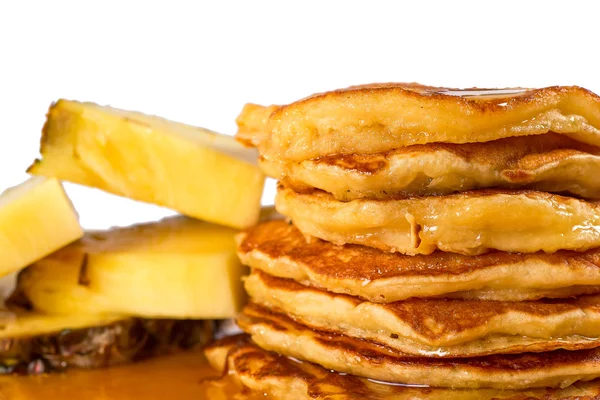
(382, 117)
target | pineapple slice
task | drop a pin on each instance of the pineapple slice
(29, 324)
(175, 268)
(36, 218)
(191, 170)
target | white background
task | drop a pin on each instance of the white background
(200, 62)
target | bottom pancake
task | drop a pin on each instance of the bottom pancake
(277, 332)
(277, 376)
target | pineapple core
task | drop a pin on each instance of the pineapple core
(36, 218)
(191, 170)
(175, 268)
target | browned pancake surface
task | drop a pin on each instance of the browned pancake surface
(445, 328)
(282, 239)
(279, 249)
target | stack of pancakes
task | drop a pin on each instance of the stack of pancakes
(434, 237)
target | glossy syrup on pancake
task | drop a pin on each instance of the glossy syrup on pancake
(265, 372)
(277, 332)
(469, 223)
(437, 327)
(279, 249)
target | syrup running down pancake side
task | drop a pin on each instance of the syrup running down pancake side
(469, 223)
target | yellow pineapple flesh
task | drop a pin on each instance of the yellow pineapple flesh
(147, 158)
(175, 268)
(36, 218)
(27, 324)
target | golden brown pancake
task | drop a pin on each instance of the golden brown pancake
(467, 223)
(276, 332)
(278, 377)
(437, 327)
(551, 163)
(381, 117)
(279, 249)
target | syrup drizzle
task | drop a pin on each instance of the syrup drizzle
(484, 92)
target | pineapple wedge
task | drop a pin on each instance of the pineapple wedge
(175, 268)
(36, 218)
(147, 158)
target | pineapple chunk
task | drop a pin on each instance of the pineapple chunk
(147, 158)
(175, 268)
(36, 218)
